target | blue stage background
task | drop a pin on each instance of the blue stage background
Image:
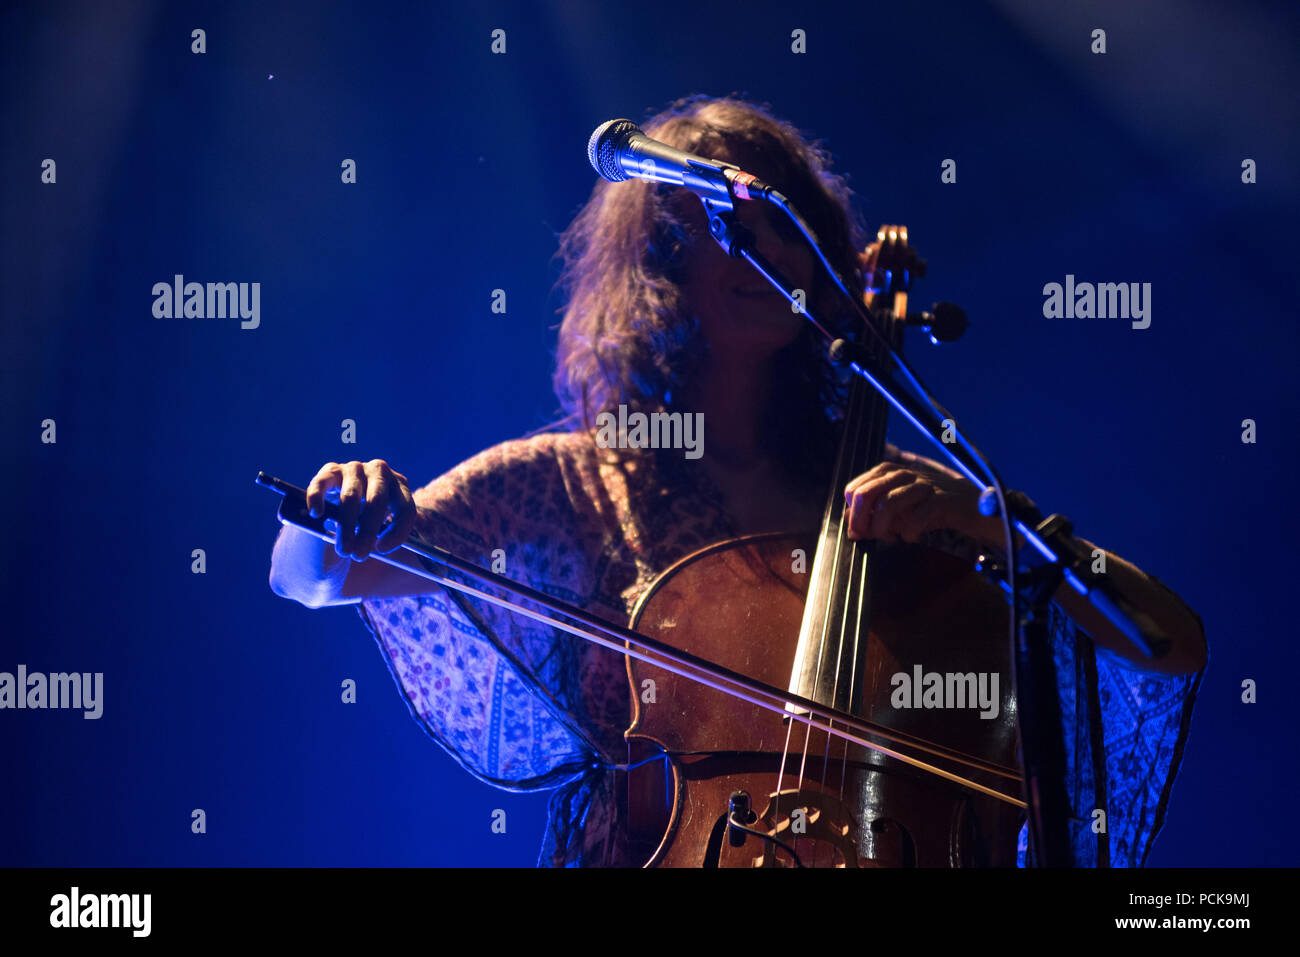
(375, 306)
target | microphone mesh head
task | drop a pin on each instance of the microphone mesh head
(604, 145)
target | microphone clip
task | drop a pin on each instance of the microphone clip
(732, 235)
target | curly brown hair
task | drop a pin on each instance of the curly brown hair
(626, 337)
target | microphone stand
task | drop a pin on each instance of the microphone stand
(1051, 554)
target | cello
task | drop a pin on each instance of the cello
(717, 782)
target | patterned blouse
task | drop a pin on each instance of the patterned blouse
(526, 707)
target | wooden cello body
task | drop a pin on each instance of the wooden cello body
(854, 632)
(744, 605)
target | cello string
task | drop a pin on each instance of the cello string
(807, 734)
(879, 425)
(856, 601)
(833, 600)
(847, 604)
(865, 437)
(866, 440)
(857, 585)
(845, 451)
(857, 658)
(780, 772)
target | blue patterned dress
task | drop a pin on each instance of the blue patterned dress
(524, 707)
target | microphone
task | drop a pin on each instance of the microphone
(619, 151)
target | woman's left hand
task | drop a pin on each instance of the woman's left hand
(901, 500)
(907, 495)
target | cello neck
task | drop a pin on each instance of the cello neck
(832, 635)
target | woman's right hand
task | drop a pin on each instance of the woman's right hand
(367, 493)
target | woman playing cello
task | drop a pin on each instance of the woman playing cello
(660, 319)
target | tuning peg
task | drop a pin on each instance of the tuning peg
(947, 323)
